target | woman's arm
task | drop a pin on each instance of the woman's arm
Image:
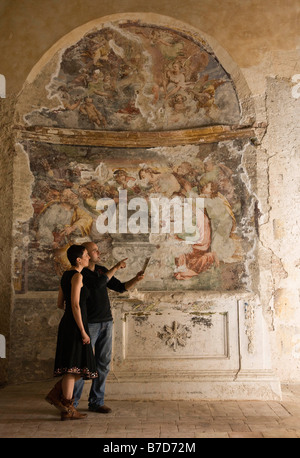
(76, 283)
(60, 299)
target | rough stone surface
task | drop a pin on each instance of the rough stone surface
(261, 40)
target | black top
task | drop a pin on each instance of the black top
(98, 304)
(66, 286)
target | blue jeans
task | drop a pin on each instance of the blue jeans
(101, 340)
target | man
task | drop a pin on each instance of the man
(98, 279)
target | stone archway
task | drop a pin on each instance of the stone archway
(148, 106)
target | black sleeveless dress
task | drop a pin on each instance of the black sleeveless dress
(72, 357)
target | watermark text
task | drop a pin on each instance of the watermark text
(156, 215)
(296, 86)
(2, 346)
(2, 87)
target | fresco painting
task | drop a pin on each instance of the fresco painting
(69, 181)
(130, 76)
(134, 76)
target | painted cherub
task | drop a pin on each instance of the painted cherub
(175, 80)
(88, 108)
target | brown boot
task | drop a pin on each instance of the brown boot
(54, 397)
(71, 413)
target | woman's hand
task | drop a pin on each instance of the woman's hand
(85, 338)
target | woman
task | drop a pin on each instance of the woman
(74, 355)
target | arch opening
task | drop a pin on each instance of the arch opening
(131, 109)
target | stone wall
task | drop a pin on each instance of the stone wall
(267, 64)
(6, 205)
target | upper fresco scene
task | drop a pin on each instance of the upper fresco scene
(134, 77)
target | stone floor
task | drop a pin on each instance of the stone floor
(24, 413)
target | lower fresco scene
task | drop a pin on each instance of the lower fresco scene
(72, 184)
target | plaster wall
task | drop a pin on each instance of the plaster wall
(262, 39)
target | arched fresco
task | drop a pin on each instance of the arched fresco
(137, 77)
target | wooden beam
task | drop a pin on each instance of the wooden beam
(129, 139)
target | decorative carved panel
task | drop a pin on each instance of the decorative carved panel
(172, 336)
